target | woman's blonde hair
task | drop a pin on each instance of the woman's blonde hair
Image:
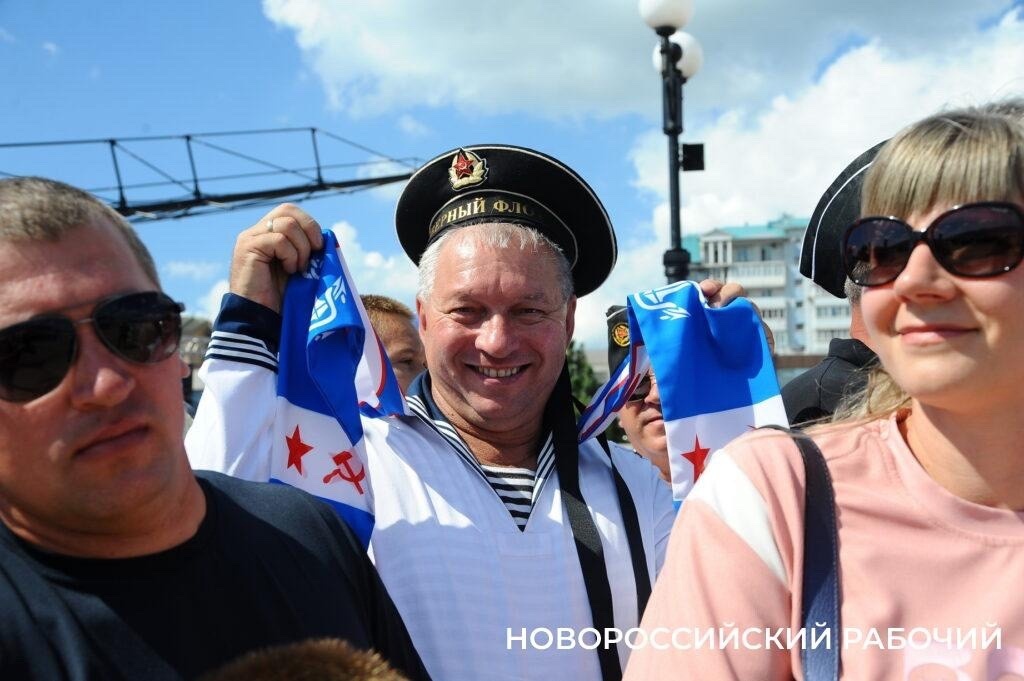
(954, 157)
(959, 156)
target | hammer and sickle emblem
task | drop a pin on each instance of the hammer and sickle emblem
(341, 460)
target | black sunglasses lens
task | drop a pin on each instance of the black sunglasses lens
(140, 327)
(979, 241)
(34, 357)
(643, 389)
(876, 250)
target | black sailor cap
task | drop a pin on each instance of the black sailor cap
(618, 335)
(509, 183)
(821, 258)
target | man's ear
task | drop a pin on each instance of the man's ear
(570, 318)
(421, 317)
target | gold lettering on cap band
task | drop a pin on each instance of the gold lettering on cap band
(485, 206)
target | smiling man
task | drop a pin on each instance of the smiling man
(116, 561)
(494, 530)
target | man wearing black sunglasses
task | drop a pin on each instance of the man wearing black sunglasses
(116, 561)
(641, 416)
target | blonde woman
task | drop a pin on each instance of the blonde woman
(927, 469)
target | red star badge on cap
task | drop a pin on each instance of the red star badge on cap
(463, 165)
(296, 450)
(697, 457)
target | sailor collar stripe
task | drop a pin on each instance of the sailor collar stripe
(545, 458)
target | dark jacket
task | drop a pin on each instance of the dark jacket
(816, 393)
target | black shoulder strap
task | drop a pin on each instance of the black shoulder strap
(820, 591)
(635, 539)
(558, 415)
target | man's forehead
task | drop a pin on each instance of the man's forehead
(393, 325)
(470, 292)
(87, 264)
(475, 244)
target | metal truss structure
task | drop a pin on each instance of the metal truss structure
(174, 176)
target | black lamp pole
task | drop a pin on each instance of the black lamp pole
(677, 258)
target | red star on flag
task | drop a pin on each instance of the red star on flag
(463, 166)
(697, 457)
(296, 450)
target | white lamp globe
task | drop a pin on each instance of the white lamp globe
(662, 13)
(693, 55)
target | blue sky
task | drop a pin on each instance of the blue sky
(789, 93)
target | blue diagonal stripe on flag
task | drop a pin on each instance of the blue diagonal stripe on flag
(332, 367)
(610, 397)
(714, 371)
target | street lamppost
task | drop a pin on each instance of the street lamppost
(678, 58)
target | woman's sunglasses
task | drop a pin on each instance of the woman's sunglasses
(974, 240)
(36, 355)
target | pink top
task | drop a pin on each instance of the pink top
(931, 584)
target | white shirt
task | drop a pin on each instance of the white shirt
(468, 582)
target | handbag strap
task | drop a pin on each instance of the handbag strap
(820, 589)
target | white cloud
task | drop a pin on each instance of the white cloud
(788, 94)
(556, 58)
(50, 48)
(589, 57)
(411, 126)
(208, 304)
(191, 269)
(374, 272)
(381, 167)
(781, 158)
(762, 163)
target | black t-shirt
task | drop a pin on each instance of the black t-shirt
(268, 565)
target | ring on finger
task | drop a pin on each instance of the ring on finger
(270, 225)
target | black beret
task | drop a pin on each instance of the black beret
(821, 256)
(618, 336)
(508, 183)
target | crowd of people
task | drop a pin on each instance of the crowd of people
(879, 541)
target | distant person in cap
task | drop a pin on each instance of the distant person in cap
(641, 416)
(395, 326)
(818, 392)
(493, 527)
